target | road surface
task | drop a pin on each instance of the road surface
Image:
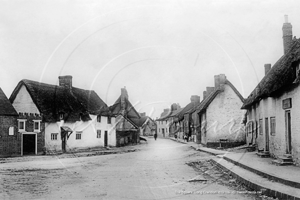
(158, 170)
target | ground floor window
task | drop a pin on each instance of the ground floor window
(54, 136)
(273, 125)
(260, 126)
(98, 133)
(78, 135)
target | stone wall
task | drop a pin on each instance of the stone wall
(9, 144)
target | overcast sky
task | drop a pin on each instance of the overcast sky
(162, 51)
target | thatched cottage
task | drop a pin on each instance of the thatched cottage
(273, 107)
(220, 116)
(73, 118)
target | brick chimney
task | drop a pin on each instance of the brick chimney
(65, 81)
(287, 34)
(195, 99)
(143, 114)
(220, 81)
(209, 90)
(124, 96)
(267, 68)
(204, 94)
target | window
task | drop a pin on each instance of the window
(54, 136)
(98, 118)
(260, 126)
(78, 135)
(21, 125)
(166, 130)
(98, 133)
(108, 120)
(273, 125)
(61, 116)
(11, 130)
(36, 125)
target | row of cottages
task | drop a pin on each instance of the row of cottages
(216, 118)
(42, 118)
(273, 107)
(59, 118)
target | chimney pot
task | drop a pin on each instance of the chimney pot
(195, 98)
(267, 68)
(65, 81)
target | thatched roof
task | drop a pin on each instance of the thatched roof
(5, 106)
(190, 108)
(281, 76)
(51, 100)
(205, 102)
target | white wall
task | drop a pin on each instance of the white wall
(162, 125)
(24, 103)
(88, 137)
(224, 117)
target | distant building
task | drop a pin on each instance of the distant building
(61, 117)
(220, 116)
(128, 120)
(163, 124)
(149, 126)
(273, 107)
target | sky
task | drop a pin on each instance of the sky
(162, 51)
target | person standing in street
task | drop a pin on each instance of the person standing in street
(155, 136)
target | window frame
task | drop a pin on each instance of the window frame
(260, 128)
(108, 120)
(24, 125)
(273, 126)
(39, 125)
(98, 118)
(98, 134)
(78, 135)
(53, 136)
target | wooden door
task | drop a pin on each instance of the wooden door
(105, 138)
(267, 134)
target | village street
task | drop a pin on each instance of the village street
(157, 170)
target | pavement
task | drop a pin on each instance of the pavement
(282, 182)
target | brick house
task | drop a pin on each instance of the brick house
(128, 121)
(220, 115)
(273, 107)
(10, 139)
(69, 118)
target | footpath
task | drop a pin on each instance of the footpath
(258, 174)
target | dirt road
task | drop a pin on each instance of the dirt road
(157, 171)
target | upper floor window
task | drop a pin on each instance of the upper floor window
(260, 126)
(36, 125)
(61, 116)
(99, 118)
(109, 120)
(21, 124)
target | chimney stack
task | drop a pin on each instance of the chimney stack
(195, 99)
(287, 34)
(209, 90)
(219, 81)
(204, 94)
(143, 114)
(65, 81)
(124, 96)
(267, 68)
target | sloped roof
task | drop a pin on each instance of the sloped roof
(280, 76)
(205, 102)
(190, 108)
(139, 122)
(5, 106)
(173, 113)
(51, 100)
(130, 110)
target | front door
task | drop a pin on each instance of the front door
(29, 144)
(105, 138)
(288, 133)
(63, 140)
(267, 133)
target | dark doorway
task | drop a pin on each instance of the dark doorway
(29, 144)
(288, 132)
(105, 138)
(267, 133)
(63, 140)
